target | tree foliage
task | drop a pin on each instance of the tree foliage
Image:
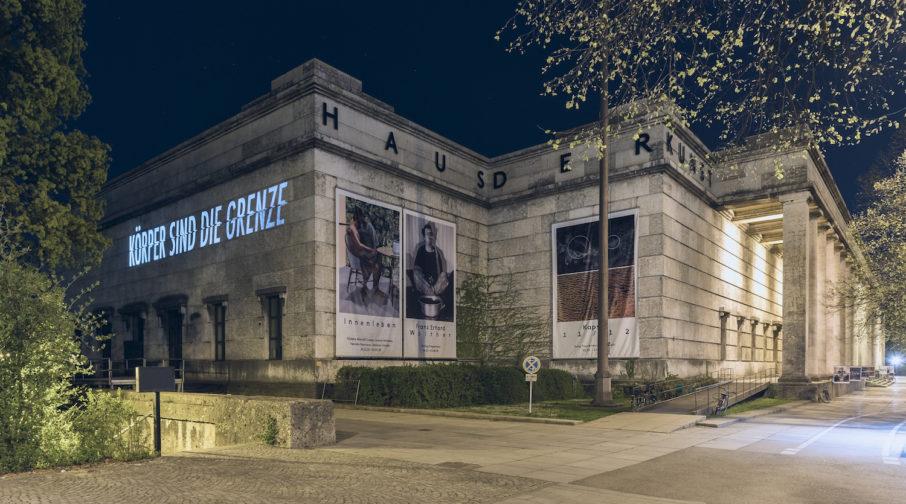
(811, 71)
(44, 420)
(826, 70)
(642, 56)
(493, 326)
(879, 286)
(49, 174)
(883, 166)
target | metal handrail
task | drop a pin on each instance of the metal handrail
(749, 384)
(708, 403)
(649, 394)
(111, 372)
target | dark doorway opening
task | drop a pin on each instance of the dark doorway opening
(134, 350)
(173, 325)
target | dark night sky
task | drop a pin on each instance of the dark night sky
(161, 72)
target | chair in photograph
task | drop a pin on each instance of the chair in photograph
(356, 276)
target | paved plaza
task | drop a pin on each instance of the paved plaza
(848, 450)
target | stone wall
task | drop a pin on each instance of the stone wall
(708, 262)
(339, 172)
(193, 421)
(234, 269)
(317, 130)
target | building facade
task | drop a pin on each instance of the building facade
(317, 228)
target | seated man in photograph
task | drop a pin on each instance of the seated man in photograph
(361, 241)
(429, 271)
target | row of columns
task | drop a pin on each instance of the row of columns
(819, 330)
(747, 329)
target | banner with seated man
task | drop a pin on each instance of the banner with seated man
(429, 330)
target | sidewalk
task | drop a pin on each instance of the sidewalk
(552, 453)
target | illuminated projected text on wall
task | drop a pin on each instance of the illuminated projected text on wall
(257, 211)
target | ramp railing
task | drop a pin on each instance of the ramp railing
(647, 395)
(109, 373)
(707, 399)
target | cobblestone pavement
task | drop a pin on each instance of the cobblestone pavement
(852, 448)
(258, 474)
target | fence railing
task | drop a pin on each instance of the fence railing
(344, 391)
(648, 394)
(111, 373)
(714, 398)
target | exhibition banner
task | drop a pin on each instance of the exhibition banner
(576, 263)
(841, 374)
(429, 253)
(368, 278)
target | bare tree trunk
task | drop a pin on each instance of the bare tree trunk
(603, 391)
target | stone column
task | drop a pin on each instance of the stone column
(798, 240)
(859, 333)
(740, 322)
(777, 328)
(877, 343)
(835, 355)
(881, 346)
(832, 308)
(849, 357)
(724, 315)
(817, 330)
(754, 328)
(765, 329)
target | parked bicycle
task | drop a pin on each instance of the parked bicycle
(722, 403)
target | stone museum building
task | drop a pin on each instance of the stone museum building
(316, 228)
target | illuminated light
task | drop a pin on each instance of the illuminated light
(896, 360)
(761, 218)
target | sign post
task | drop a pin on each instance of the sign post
(531, 365)
(157, 380)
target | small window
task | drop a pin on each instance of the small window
(220, 331)
(275, 327)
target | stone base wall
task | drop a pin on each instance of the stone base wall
(658, 369)
(191, 421)
(813, 391)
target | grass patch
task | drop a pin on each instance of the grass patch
(754, 404)
(567, 409)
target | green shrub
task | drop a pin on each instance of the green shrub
(107, 427)
(45, 420)
(271, 433)
(450, 385)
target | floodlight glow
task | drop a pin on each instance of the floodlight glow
(896, 360)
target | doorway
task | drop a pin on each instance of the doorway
(173, 326)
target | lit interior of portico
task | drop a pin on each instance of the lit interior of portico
(802, 219)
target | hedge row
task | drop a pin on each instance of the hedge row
(450, 385)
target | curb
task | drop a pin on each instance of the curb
(463, 414)
(742, 417)
(718, 422)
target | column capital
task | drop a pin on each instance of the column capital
(795, 197)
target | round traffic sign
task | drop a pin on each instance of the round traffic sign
(531, 364)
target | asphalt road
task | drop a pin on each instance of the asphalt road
(850, 450)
